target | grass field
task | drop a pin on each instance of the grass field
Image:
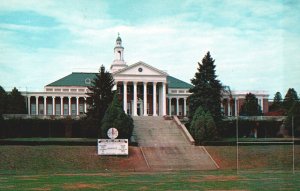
(191, 180)
(79, 168)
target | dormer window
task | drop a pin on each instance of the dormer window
(87, 81)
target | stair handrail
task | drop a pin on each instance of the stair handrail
(184, 130)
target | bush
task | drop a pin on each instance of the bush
(203, 127)
(117, 118)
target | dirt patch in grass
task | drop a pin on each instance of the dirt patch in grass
(220, 178)
(78, 186)
(40, 189)
(86, 174)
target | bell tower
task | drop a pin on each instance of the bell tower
(118, 62)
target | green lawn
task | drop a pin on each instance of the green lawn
(79, 168)
(191, 180)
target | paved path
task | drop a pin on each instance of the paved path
(165, 147)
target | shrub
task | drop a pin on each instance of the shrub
(203, 127)
(117, 118)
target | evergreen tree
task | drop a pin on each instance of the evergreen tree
(100, 95)
(16, 102)
(250, 106)
(117, 118)
(207, 90)
(3, 101)
(277, 102)
(293, 116)
(290, 98)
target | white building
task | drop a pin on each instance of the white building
(143, 90)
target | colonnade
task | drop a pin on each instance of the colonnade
(176, 109)
(161, 94)
(55, 110)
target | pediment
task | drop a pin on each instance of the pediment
(140, 69)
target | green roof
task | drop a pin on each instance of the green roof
(74, 79)
(82, 79)
(176, 83)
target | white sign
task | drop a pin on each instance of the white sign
(112, 146)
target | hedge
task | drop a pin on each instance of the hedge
(265, 129)
(25, 128)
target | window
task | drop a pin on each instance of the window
(57, 109)
(49, 89)
(73, 109)
(181, 91)
(149, 90)
(65, 90)
(87, 81)
(57, 90)
(49, 109)
(66, 109)
(33, 109)
(128, 89)
(41, 109)
(81, 111)
(173, 91)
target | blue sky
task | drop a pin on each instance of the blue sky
(255, 43)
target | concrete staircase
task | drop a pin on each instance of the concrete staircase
(165, 147)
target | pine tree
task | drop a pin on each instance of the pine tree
(250, 106)
(100, 95)
(16, 102)
(207, 90)
(277, 102)
(3, 101)
(290, 98)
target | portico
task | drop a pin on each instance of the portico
(142, 90)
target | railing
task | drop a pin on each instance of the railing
(184, 130)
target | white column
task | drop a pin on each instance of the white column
(145, 99)
(154, 99)
(36, 105)
(235, 107)
(184, 106)
(125, 96)
(45, 105)
(84, 105)
(262, 104)
(77, 105)
(70, 105)
(61, 105)
(170, 106)
(228, 107)
(134, 99)
(53, 105)
(164, 105)
(28, 102)
(177, 106)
